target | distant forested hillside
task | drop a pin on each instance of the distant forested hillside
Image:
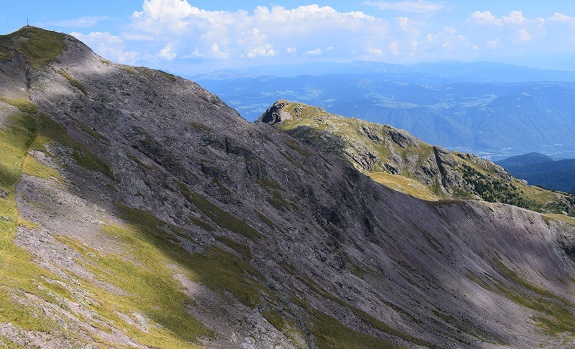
(542, 170)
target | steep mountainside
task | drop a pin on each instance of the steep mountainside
(397, 159)
(138, 210)
(542, 170)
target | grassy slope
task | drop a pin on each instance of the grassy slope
(346, 137)
(21, 276)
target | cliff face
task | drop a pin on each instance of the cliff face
(399, 160)
(138, 210)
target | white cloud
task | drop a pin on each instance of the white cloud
(375, 51)
(266, 32)
(514, 32)
(314, 52)
(166, 14)
(485, 17)
(266, 50)
(175, 31)
(217, 52)
(394, 48)
(515, 17)
(108, 46)
(419, 6)
(168, 52)
(561, 18)
(524, 36)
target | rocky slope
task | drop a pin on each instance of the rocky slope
(399, 160)
(138, 210)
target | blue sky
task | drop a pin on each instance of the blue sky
(189, 37)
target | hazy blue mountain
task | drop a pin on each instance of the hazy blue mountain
(526, 160)
(448, 70)
(463, 108)
(542, 170)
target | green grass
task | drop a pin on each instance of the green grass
(225, 272)
(7, 344)
(294, 145)
(23, 104)
(330, 333)
(219, 216)
(49, 131)
(352, 138)
(556, 315)
(276, 199)
(33, 167)
(200, 126)
(265, 219)
(73, 81)
(202, 224)
(242, 249)
(560, 217)
(19, 275)
(90, 131)
(5, 53)
(276, 319)
(150, 291)
(34, 131)
(216, 268)
(404, 185)
(367, 318)
(39, 47)
(15, 141)
(268, 183)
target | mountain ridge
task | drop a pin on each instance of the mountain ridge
(139, 210)
(397, 159)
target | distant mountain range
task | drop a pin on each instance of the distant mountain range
(493, 110)
(542, 170)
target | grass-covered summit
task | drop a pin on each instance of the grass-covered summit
(37, 46)
(399, 160)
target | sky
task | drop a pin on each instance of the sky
(189, 37)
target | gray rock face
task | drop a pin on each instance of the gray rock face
(166, 220)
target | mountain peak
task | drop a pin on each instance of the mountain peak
(38, 46)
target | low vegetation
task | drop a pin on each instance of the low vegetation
(404, 184)
(39, 47)
(73, 81)
(219, 216)
(20, 276)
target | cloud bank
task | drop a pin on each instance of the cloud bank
(174, 33)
